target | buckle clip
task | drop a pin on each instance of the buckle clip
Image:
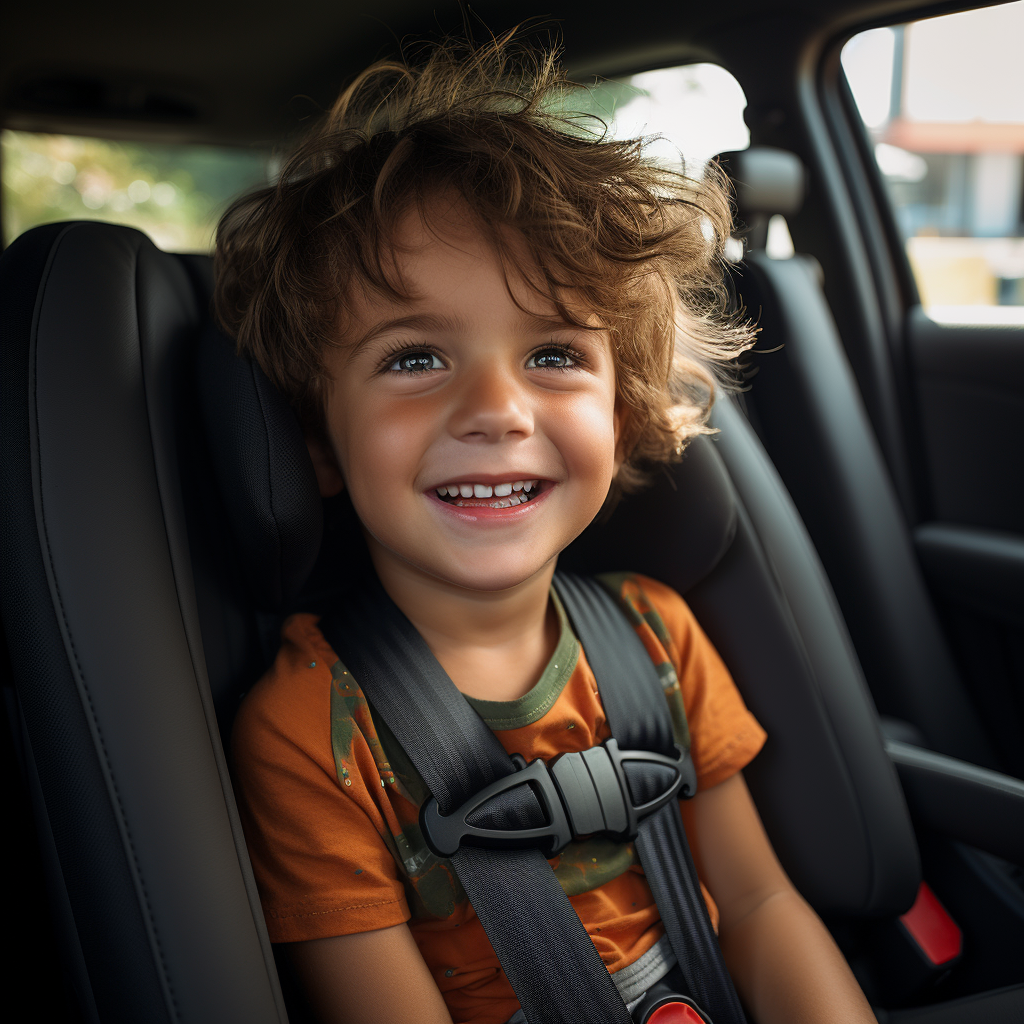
(670, 1009)
(581, 793)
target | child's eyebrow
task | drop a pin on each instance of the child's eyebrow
(528, 323)
(411, 322)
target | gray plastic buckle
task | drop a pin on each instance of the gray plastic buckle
(582, 793)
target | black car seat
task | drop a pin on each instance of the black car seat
(136, 614)
(808, 412)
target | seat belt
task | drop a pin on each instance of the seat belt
(634, 703)
(498, 819)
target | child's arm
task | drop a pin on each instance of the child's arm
(785, 964)
(370, 978)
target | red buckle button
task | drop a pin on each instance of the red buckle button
(675, 1013)
(930, 926)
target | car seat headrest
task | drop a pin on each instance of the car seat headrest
(767, 181)
(264, 472)
(676, 530)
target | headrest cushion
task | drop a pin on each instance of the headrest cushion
(676, 531)
(767, 180)
(264, 471)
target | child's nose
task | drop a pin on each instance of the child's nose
(491, 405)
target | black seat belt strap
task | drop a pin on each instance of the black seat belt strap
(634, 702)
(545, 951)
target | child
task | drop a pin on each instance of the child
(489, 318)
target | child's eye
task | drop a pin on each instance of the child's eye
(416, 362)
(551, 359)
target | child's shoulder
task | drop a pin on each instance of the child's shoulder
(644, 592)
(293, 695)
(646, 600)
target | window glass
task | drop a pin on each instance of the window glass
(696, 108)
(697, 112)
(943, 101)
(175, 193)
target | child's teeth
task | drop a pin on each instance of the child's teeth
(526, 490)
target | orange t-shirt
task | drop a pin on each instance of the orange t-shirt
(330, 802)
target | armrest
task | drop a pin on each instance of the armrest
(962, 801)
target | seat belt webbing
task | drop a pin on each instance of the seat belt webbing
(545, 951)
(634, 702)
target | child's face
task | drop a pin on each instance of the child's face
(459, 387)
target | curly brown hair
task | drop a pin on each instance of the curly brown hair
(637, 245)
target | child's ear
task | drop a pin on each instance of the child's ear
(619, 418)
(325, 465)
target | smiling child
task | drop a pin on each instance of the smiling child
(489, 318)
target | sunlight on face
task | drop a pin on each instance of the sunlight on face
(461, 391)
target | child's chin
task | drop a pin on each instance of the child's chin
(490, 578)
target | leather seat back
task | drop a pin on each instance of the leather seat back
(109, 654)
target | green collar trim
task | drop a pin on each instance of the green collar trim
(533, 705)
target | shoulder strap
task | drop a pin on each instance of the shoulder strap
(634, 702)
(544, 949)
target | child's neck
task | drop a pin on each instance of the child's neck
(494, 646)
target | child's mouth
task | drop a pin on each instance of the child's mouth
(504, 495)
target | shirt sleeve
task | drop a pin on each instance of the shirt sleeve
(724, 736)
(317, 850)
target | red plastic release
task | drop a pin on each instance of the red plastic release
(931, 927)
(675, 1013)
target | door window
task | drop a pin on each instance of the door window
(943, 102)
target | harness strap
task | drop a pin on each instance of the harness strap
(634, 703)
(544, 949)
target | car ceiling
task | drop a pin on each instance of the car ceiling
(252, 73)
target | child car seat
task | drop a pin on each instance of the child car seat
(134, 613)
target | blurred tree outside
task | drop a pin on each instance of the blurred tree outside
(174, 193)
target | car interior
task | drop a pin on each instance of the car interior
(851, 538)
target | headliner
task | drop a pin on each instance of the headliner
(219, 71)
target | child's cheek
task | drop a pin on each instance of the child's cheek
(383, 444)
(589, 447)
